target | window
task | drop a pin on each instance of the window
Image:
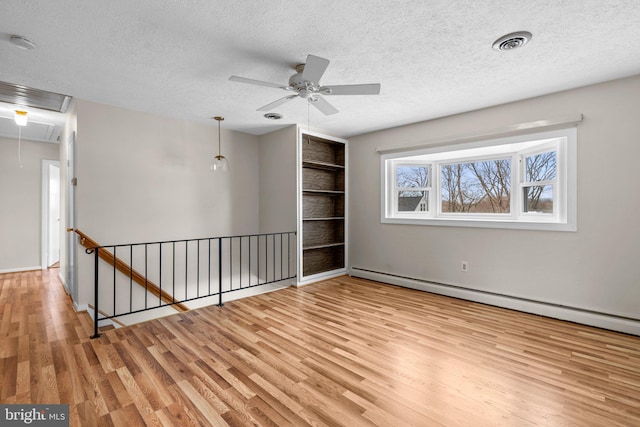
(412, 187)
(526, 182)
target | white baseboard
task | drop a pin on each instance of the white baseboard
(103, 322)
(321, 276)
(20, 269)
(64, 284)
(572, 314)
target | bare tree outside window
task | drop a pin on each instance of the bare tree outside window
(477, 187)
(539, 168)
(458, 192)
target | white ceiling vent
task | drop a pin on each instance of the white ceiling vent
(512, 40)
(35, 98)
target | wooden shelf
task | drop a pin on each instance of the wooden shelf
(321, 165)
(322, 246)
(330, 218)
(325, 192)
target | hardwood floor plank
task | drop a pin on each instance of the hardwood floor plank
(210, 414)
(9, 378)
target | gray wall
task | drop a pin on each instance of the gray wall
(21, 200)
(278, 181)
(593, 268)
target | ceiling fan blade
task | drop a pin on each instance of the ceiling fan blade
(323, 105)
(257, 82)
(277, 103)
(314, 68)
(365, 89)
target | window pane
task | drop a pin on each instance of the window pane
(541, 167)
(412, 176)
(538, 199)
(413, 201)
(476, 187)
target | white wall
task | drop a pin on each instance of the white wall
(278, 181)
(20, 202)
(146, 178)
(592, 269)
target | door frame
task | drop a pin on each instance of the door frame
(70, 273)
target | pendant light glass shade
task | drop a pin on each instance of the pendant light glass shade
(219, 163)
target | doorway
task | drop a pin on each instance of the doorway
(50, 213)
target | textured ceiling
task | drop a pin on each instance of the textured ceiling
(433, 58)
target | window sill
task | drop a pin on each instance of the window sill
(483, 223)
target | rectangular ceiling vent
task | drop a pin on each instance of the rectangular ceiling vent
(35, 98)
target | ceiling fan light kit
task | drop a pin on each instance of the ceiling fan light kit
(306, 85)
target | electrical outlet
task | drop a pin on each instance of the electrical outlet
(464, 266)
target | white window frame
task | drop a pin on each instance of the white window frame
(517, 148)
(559, 190)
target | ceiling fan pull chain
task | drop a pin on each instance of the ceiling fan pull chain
(308, 123)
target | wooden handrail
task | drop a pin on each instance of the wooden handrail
(124, 268)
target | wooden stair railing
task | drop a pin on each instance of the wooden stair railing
(124, 268)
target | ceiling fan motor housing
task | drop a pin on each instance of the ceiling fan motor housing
(299, 84)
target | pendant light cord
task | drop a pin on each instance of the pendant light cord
(219, 152)
(20, 146)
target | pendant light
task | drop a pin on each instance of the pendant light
(20, 118)
(219, 163)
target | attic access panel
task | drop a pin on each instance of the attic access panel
(34, 131)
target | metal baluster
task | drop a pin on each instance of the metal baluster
(220, 272)
(173, 272)
(160, 276)
(114, 281)
(96, 311)
(146, 276)
(130, 277)
(186, 267)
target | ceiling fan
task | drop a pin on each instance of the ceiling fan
(306, 84)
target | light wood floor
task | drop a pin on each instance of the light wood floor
(344, 352)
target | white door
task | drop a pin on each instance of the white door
(54, 215)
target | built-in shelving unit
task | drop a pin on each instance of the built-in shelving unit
(322, 197)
